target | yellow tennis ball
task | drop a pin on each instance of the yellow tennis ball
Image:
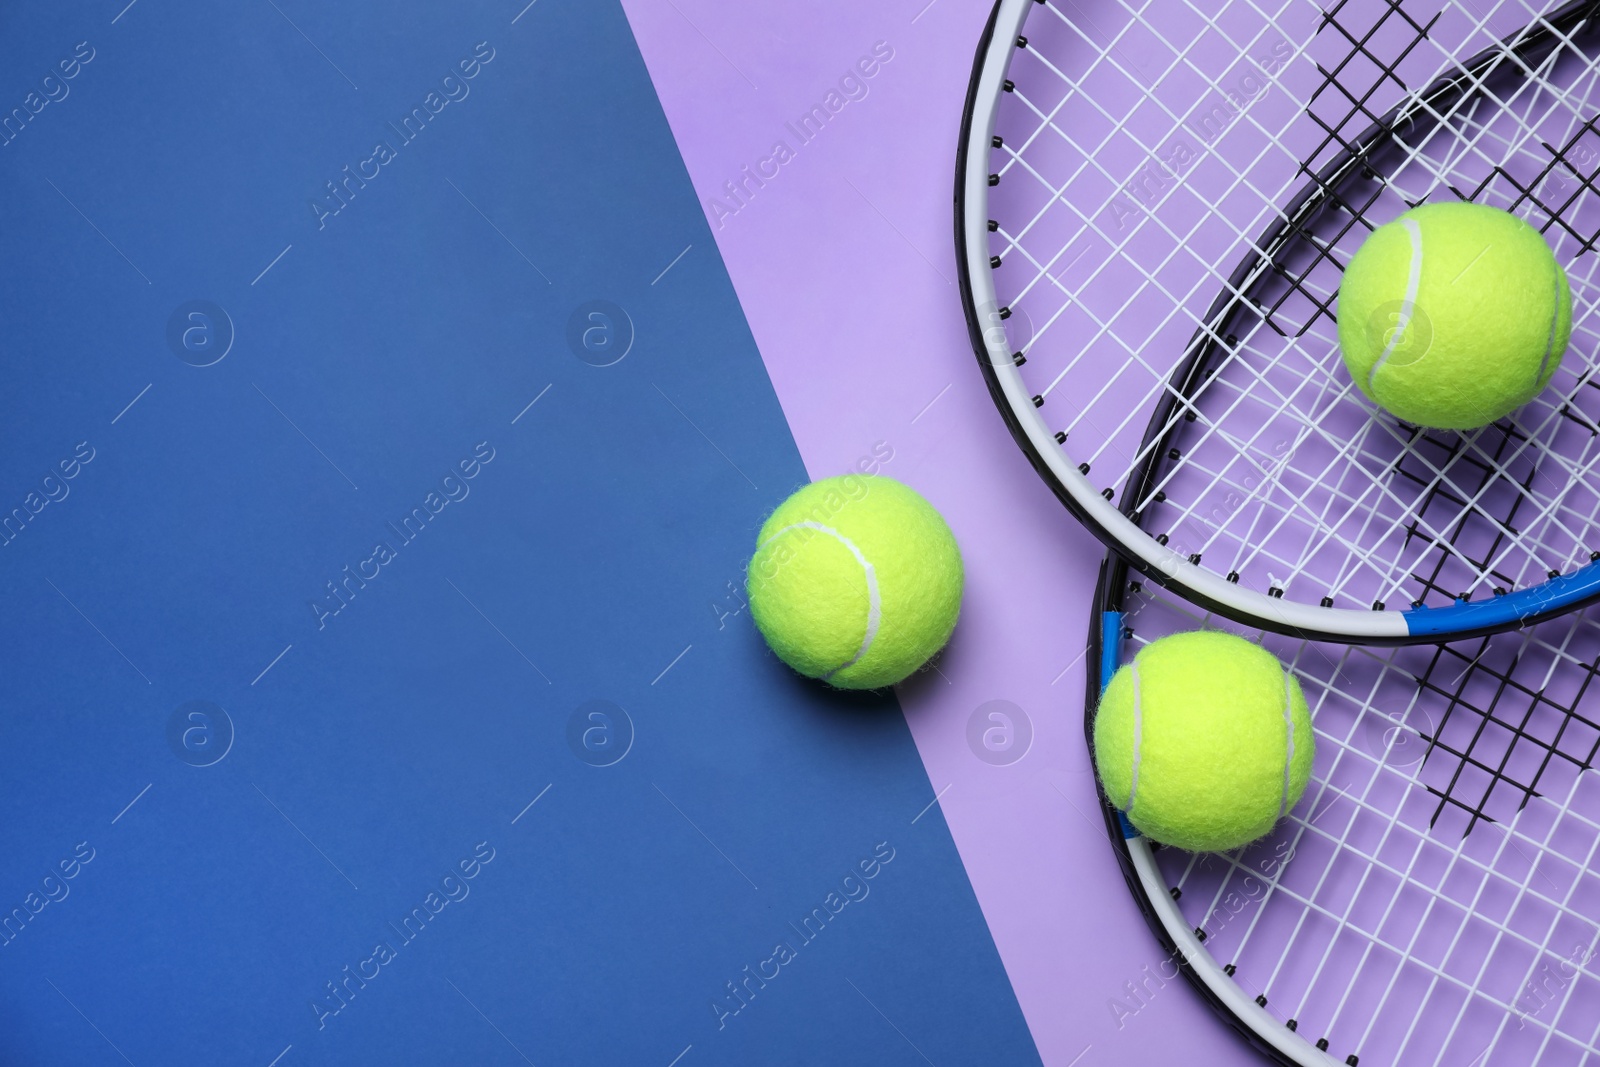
(1203, 741)
(1453, 315)
(856, 580)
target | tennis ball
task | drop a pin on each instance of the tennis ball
(1204, 741)
(856, 580)
(1453, 315)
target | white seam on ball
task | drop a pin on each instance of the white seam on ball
(1408, 305)
(1138, 730)
(1555, 317)
(1288, 755)
(874, 604)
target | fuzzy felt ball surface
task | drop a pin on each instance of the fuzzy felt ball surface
(856, 580)
(1203, 740)
(1453, 315)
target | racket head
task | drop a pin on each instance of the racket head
(1149, 258)
(1432, 898)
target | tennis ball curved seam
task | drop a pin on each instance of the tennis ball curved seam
(1408, 303)
(874, 601)
(1288, 743)
(1138, 733)
(1555, 322)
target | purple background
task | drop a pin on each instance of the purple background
(844, 263)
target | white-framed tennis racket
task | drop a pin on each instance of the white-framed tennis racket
(1155, 203)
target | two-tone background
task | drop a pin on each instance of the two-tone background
(392, 394)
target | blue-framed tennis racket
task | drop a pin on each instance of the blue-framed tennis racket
(1434, 898)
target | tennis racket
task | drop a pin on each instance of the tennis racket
(1433, 898)
(1154, 207)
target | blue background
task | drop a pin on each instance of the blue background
(591, 560)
